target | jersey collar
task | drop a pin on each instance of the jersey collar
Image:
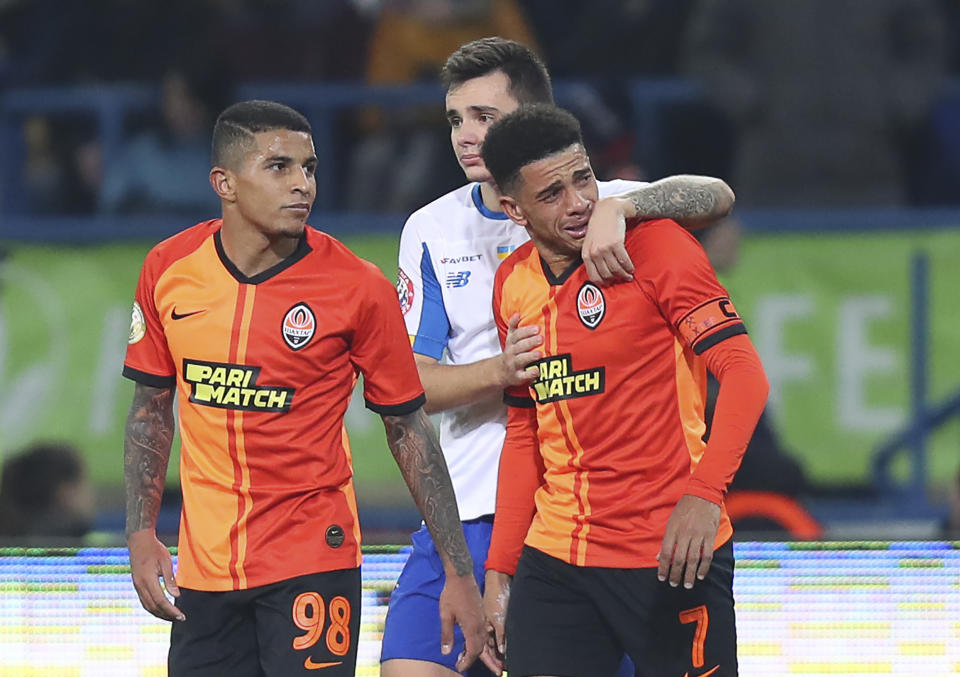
(482, 208)
(556, 280)
(302, 250)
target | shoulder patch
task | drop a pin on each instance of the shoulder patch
(404, 291)
(138, 325)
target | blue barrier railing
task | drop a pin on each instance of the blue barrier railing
(104, 228)
(109, 106)
(925, 418)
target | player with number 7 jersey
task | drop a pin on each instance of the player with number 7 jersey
(606, 488)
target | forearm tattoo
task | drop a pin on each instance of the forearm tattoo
(681, 198)
(146, 453)
(414, 445)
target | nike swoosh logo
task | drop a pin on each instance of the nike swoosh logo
(310, 665)
(179, 316)
(704, 674)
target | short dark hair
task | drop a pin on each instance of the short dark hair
(529, 79)
(526, 135)
(233, 133)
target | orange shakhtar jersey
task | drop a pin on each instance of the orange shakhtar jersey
(620, 397)
(264, 368)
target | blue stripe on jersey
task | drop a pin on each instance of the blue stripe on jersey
(434, 327)
(482, 208)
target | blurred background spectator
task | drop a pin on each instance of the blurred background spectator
(402, 158)
(288, 40)
(822, 93)
(45, 493)
(600, 45)
(164, 166)
(811, 104)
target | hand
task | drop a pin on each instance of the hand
(460, 604)
(688, 541)
(518, 353)
(604, 253)
(149, 561)
(496, 599)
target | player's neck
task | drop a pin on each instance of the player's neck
(558, 262)
(253, 252)
(491, 197)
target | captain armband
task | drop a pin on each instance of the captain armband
(709, 323)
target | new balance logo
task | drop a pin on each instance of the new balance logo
(458, 279)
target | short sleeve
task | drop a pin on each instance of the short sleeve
(148, 360)
(381, 351)
(673, 270)
(420, 294)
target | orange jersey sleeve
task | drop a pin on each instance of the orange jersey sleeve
(679, 279)
(381, 351)
(740, 401)
(148, 358)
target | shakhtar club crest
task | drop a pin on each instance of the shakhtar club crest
(299, 326)
(590, 305)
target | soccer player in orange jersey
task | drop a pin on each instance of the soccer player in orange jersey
(260, 325)
(610, 534)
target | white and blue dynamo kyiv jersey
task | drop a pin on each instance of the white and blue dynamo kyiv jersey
(449, 253)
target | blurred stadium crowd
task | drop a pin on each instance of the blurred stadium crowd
(818, 103)
(810, 104)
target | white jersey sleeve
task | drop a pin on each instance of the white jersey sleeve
(419, 291)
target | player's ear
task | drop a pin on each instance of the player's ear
(513, 210)
(223, 183)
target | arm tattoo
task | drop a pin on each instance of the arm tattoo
(146, 452)
(685, 199)
(414, 446)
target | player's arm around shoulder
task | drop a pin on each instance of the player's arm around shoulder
(148, 437)
(690, 200)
